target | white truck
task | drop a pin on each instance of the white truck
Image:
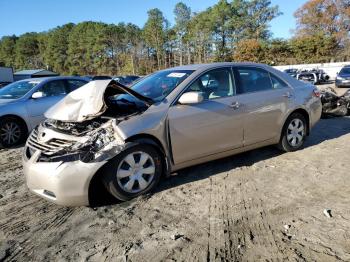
(6, 76)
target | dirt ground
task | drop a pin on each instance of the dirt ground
(257, 206)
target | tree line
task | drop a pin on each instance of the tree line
(236, 30)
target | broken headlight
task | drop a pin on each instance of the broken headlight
(100, 145)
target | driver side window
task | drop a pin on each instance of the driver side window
(214, 84)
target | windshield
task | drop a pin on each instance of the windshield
(17, 89)
(159, 85)
(345, 70)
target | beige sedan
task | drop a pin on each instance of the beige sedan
(127, 138)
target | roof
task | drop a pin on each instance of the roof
(36, 72)
(213, 65)
(203, 67)
(42, 79)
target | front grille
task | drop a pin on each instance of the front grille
(49, 147)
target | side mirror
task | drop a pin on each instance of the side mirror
(191, 98)
(37, 95)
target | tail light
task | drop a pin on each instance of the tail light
(316, 93)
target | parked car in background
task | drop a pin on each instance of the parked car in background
(101, 78)
(343, 77)
(314, 76)
(23, 104)
(127, 138)
(127, 80)
(292, 72)
(98, 77)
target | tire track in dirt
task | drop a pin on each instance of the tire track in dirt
(187, 245)
(26, 220)
(18, 223)
(229, 210)
(240, 225)
(220, 241)
(265, 235)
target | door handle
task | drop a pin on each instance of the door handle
(287, 95)
(235, 105)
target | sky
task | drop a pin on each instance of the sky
(21, 16)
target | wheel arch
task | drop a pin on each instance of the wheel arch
(155, 142)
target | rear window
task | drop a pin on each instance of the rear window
(253, 80)
(277, 83)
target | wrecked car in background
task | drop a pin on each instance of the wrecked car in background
(127, 138)
(314, 76)
(334, 105)
(293, 72)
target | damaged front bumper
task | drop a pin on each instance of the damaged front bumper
(59, 167)
(65, 183)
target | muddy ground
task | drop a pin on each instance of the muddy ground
(260, 205)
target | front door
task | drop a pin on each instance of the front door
(210, 127)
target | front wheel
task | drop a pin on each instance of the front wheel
(135, 171)
(12, 132)
(293, 133)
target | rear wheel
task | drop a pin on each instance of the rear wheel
(294, 133)
(135, 171)
(12, 132)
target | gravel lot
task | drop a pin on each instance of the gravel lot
(260, 205)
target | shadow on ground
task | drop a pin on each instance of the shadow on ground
(326, 129)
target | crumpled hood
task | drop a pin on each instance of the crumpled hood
(88, 101)
(82, 104)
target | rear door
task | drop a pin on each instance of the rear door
(209, 127)
(53, 92)
(266, 100)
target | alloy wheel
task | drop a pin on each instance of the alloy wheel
(10, 133)
(136, 172)
(295, 132)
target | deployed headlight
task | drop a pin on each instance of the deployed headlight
(339, 78)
